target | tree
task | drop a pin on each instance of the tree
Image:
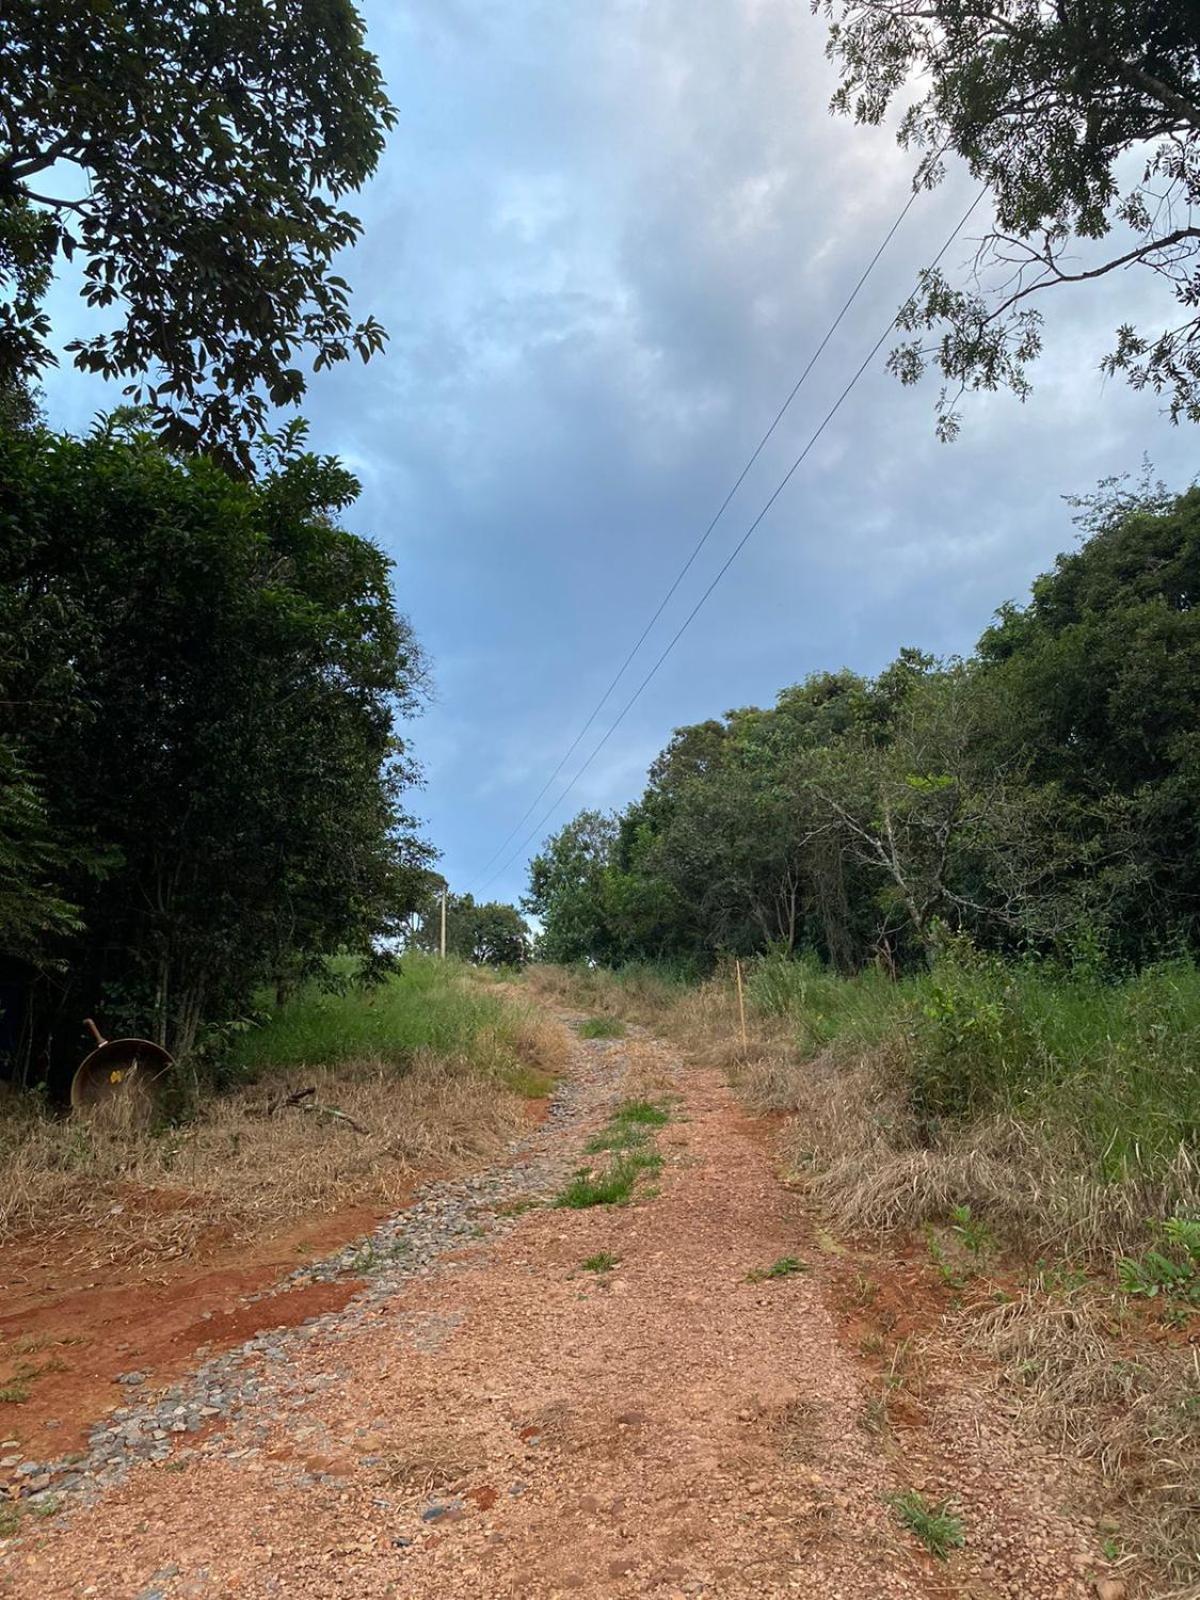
(201, 678)
(1043, 101)
(1100, 678)
(193, 158)
(948, 833)
(566, 890)
(488, 933)
(32, 915)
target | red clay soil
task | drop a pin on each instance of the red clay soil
(76, 1334)
(76, 1321)
(516, 1426)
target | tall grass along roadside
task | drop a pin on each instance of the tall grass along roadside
(1065, 1108)
(425, 1072)
(1051, 1112)
(429, 1007)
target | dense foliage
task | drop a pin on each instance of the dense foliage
(200, 779)
(192, 158)
(487, 933)
(1044, 795)
(1083, 122)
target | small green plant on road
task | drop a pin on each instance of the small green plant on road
(612, 1187)
(785, 1267)
(602, 1261)
(971, 1231)
(627, 1137)
(602, 1028)
(936, 1526)
(628, 1127)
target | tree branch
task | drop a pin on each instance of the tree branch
(1055, 275)
(1161, 91)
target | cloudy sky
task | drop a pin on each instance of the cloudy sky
(605, 240)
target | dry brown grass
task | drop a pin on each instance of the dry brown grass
(1133, 1408)
(854, 1139)
(109, 1189)
(434, 1460)
(541, 1042)
(647, 1073)
(1082, 1372)
(241, 1173)
(634, 995)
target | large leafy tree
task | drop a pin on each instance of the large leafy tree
(201, 678)
(1100, 682)
(1082, 118)
(193, 158)
(567, 890)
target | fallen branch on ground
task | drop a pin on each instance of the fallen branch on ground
(332, 1111)
(293, 1099)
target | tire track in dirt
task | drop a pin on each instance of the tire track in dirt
(511, 1425)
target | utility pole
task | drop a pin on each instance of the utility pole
(443, 940)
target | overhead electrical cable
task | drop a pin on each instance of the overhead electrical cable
(731, 558)
(704, 537)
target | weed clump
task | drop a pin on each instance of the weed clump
(1170, 1269)
(612, 1187)
(602, 1261)
(627, 1138)
(629, 1127)
(785, 1267)
(602, 1028)
(936, 1527)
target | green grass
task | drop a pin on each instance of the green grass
(10, 1520)
(1108, 1062)
(642, 1113)
(602, 1028)
(821, 1006)
(615, 1138)
(1171, 1269)
(938, 1530)
(785, 1267)
(15, 1393)
(612, 1187)
(627, 1138)
(429, 1005)
(629, 1127)
(602, 1261)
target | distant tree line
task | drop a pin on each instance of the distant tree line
(487, 933)
(1042, 795)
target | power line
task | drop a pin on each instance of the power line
(732, 556)
(703, 540)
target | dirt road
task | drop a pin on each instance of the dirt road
(497, 1420)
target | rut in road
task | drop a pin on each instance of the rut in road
(510, 1424)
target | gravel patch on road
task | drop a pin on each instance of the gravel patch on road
(492, 1418)
(156, 1424)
